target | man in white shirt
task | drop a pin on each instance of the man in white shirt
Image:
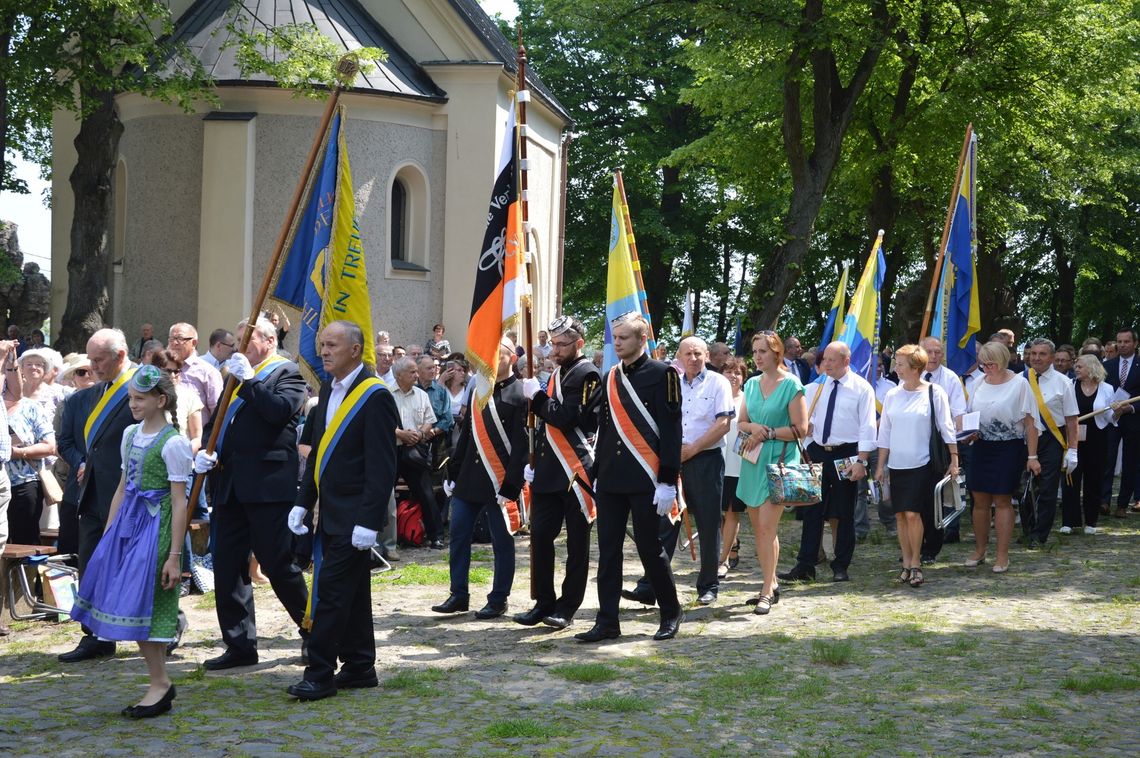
(1056, 392)
(412, 452)
(543, 348)
(385, 355)
(842, 426)
(222, 346)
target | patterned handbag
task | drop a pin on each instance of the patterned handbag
(794, 484)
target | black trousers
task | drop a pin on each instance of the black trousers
(548, 512)
(614, 511)
(68, 541)
(1050, 455)
(262, 528)
(342, 620)
(1082, 497)
(419, 488)
(838, 502)
(90, 530)
(24, 511)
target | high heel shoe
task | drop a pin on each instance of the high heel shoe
(764, 605)
(904, 576)
(975, 562)
(734, 555)
(1000, 568)
(916, 577)
(722, 572)
(154, 709)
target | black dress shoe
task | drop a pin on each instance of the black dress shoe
(597, 633)
(179, 630)
(453, 604)
(639, 596)
(232, 658)
(799, 573)
(491, 611)
(154, 709)
(558, 621)
(669, 627)
(306, 690)
(354, 680)
(436, 544)
(840, 576)
(531, 617)
(89, 648)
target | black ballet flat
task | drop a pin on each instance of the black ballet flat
(154, 709)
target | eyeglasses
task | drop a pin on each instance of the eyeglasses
(986, 364)
(561, 345)
(230, 345)
(180, 340)
(82, 372)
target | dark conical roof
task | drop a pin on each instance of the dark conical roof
(204, 29)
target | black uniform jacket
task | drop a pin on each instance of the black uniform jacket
(578, 381)
(472, 483)
(258, 461)
(361, 471)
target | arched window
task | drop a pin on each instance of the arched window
(408, 214)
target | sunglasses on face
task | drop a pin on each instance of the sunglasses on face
(82, 372)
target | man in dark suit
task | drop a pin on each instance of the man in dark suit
(479, 481)
(1122, 371)
(561, 450)
(252, 487)
(793, 359)
(638, 461)
(90, 441)
(353, 470)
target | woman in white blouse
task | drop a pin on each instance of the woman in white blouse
(904, 449)
(736, 371)
(1080, 493)
(1004, 402)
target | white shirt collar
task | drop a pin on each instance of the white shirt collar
(348, 380)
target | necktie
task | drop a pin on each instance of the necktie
(1123, 371)
(830, 412)
(928, 375)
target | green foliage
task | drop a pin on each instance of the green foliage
(524, 727)
(585, 672)
(1086, 685)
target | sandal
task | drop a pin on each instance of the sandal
(763, 605)
(904, 576)
(916, 578)
(734, 554)
(775, 598)
(722, 572)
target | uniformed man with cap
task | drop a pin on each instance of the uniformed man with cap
(560, 487)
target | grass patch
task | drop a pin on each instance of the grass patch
(482, 555)
(524, 727)
(585, 672)
(417, 574)
(1132, 582)
(811, 686)
(833, 653)
(205, 601)
(962, 645)
(1100, 683)
(613, 703)
(419, 682)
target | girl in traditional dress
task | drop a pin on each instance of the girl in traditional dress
(130, 588)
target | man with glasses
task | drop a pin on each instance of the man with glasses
(563, 453)
(222, 346)
(196, 373)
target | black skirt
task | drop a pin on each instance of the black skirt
(995, 466)
(912, 489)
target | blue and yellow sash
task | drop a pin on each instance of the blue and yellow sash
(261, 373)
(344, 414)
(106, 406)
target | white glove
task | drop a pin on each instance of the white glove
(363, 539)
(528, 473)
(448, 487)
(238, 365)
(297, 520)
(663, 498)
(1071, 461)
(204, 461)
(531, 387)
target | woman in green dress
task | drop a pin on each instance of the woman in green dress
(774, 414)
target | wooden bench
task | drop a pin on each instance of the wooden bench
(49, 537)
(13, 561)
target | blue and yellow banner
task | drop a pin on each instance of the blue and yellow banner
(860, 328)
(324, 273)
(838, 310)
(957, 315)
(622, 293)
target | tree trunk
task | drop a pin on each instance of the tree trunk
(1066, 290)
(92, 183)
(725, 273)
(5, 43)
(655, 269)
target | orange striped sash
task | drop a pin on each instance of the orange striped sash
(566, 454)
(494, 451)
(632, 421)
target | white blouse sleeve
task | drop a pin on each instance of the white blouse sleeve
(945, 420)
(124, 443)
(1028, 402)
(1103, 400)
(179, 462)
(885, 421)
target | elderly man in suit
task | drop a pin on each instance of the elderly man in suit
(90, 442)
(252, 487)
(353, 471)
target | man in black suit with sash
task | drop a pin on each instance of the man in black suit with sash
(638, 459)
(1122, 371)
(253, 482)
(91, 445)
(352, 469)
(563, 454)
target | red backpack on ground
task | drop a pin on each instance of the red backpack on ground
(409, 523)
